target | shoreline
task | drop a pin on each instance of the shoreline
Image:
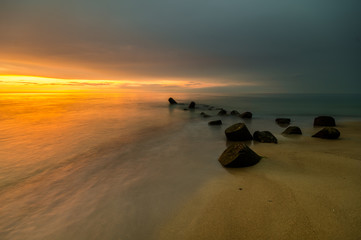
(303, 188)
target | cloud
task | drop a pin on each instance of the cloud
(266, 41)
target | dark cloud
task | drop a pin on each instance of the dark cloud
(285, 45)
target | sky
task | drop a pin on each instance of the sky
(309, 46)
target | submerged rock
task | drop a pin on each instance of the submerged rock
(222, 112)
(215, 122)
(239, 155)
(292, 130)
(205, 115)
(192, 105)
(264, 137)
(283, 121)
(172, 101)
(238, 132)
(326, 121)
(327, 133)
(235, 113)
(246, 115)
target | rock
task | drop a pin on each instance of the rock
(326, 121)
(222, 112)
(246, 115)
(172, 101)
(264, 137)
(283, 121)
(205, 115)
(238, 155)
(327, 133)
(292, 130)
(215, 122)
(238, 132)
(192, 105)
(235, 113)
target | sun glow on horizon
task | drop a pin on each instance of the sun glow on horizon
(23, 83)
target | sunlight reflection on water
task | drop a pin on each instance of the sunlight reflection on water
(110, 166)
(80, 166)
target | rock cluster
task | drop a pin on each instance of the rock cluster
(239, 154)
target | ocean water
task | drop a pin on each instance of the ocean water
(118, 166)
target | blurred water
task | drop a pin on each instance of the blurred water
(78, 166)
(117, 166)
(310, 105)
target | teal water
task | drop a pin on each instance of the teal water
(118, 166)
(270, 105)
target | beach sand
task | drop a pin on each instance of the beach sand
(303, 188)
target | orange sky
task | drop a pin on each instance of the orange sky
(22, 69)
(22, 83)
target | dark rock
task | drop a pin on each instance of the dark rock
(246, 115)
(292, 130)
(326, 121)
(238, 155)
(172, 101)
(283, 121)
(222, 112)
(205, 115)
(238, 132)
(264, 137)
(192, 105)
(327, 133)
(235, 113)
(215, 122)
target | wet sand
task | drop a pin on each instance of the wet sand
(303, 188)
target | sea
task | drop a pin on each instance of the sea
(121, 165)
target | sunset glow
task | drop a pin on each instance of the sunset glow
(144, 119)
(21, 83)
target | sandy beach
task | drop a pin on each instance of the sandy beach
(303, 188)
